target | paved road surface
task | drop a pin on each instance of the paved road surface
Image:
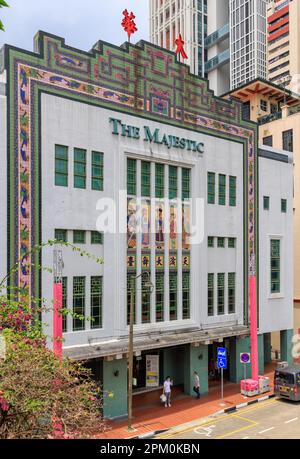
(272, 419)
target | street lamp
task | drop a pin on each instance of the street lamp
(147, 284)
(57, 302)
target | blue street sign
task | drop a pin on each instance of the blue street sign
(222, 358)
(245, 357)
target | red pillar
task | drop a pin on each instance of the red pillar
(253, 327)
(57, 319)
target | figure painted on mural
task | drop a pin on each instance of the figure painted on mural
(173, 229)
(145, 226)
(185, 227)
(159, 229)
(131, 225)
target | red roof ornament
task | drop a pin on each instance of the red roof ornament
(180, 49)
(128, 23)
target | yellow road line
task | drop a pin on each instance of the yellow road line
(224, 417)
(237, 430)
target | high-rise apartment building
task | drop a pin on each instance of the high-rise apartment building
(233, 50)
(168, 18)
(283, 50)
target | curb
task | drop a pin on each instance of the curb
(149, 435)
(243, 405)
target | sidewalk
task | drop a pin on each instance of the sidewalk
(150, 415)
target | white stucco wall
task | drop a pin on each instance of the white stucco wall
(77, 125)
(276, 181)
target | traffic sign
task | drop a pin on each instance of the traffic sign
(222, 358)
(245, 357)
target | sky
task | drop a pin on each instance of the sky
(81, 22)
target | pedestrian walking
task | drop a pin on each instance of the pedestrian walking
(167, 391)
(196, 387)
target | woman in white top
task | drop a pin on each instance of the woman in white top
(167, 391)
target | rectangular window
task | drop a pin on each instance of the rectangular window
(96, 238)
(268, 141)
(131, 177)
(211, 185)
(275, 266)
(222, 190)
(231, 242)
(79, 168)
(210, 241)
(263, 105)
(131, 296)
(97, 171)
(159, 180)
(146, 301)
(79, 237)
(186, 313)
(61, 165)
(221, 294)
(266, 203)
(210, 295)
(172, 182)
(160, 297)
(287, 140)
(96, 301)
(232, 191)
(283, 206)
(64, 302)
(146, 179)
(173, 295)
(61, 235)
(221, 242)
(78, 303)
(186, 183)
(231, 293)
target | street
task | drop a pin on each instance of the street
(272, 419)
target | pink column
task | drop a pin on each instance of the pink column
(253, 327)
(57, 319)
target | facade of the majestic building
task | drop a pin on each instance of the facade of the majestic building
(126, 141)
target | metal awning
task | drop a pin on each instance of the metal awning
(118, 348)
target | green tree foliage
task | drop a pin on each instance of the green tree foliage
(2, 4)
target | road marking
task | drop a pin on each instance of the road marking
(207, 431)
(236, 431)
(258, 406)
(266, 430)
(291, 420)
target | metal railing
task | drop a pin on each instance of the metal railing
(217, 61)
(216, 36)
(268, 118)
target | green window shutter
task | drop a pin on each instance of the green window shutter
(131, 292)
(186, 310)
(186, 173)
(231, 293)
(96, 237)
(173, 295)
(221, 293)
(61, 165)
(283, 206)
(221, 242)
(211, 187)
(232, 191)
(266, 203)
(210, 294)
(79, 168)
(159, 180)
(210, 241)
(97, 171)
(231, 242)
(65, 302)
(275, 266)
(222, 190)
(78, 303)
(78, 237)
(96, 301)
(172, 182)
(61, 235)
(159, 292)
(146, 302)
(131, 177)
(146, 179)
